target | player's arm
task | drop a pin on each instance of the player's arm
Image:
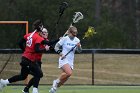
(49, 43)
(22, 44)
(54, 41)
(38, 49)
(57, 48)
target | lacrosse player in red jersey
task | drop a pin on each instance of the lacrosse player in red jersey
(44, 34)
(66, 63)
(28, 61)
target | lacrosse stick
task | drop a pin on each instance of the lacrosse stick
(76, 17)
(62, 7)
(89, 33)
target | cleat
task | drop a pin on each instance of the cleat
(2, 84)
(52, 90)
(35, 90)
(25, 91)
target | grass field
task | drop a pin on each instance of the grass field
(79, 89)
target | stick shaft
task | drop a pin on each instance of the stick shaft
(69, 51)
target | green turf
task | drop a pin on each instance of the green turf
(79, 89)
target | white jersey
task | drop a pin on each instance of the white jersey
(67, 44)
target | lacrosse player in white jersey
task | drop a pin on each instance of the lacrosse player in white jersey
(66, 62)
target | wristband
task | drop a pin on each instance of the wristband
(58, 52)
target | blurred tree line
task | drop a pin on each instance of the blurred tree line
(117, 22)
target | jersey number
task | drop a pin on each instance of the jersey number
(29, 41)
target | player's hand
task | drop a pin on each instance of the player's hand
(78, 45)
(51, 48)
(62, 56)
(47, 47)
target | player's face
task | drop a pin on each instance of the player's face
(44, 33)
(74, 32)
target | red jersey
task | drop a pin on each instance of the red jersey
(31, 39)
(39, 55)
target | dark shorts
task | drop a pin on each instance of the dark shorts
(28, 67)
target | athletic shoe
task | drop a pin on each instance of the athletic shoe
(2, 84)
(52, 90)
(26, 90)
(35, 90)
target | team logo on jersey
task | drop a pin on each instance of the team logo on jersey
(70, 44)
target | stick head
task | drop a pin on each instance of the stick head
(62, 7)
(78, 16)
(38, 25)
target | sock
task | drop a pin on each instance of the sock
(6, 81)
(35, 89)
(55, 85)
(58, 80)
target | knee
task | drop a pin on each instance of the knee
(69, 74)
(23, 77)
(40, 75)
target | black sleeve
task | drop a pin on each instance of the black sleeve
(37, 48)
(49, 43)
(54, 42)
(52, 49)
(22, 44)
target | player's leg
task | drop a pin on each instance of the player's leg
(30, 83)
(26, 80)
(66, 73)
(21, 76)
(36, 69)
(15, 78)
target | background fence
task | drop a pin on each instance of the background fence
(92, 66)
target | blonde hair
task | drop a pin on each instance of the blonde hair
(72, 29)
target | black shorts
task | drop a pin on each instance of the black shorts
(31, 67)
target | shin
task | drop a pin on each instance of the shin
(67, 72)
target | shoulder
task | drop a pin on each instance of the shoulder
(26, 35)
(64, 38)
(36, 36)
(77, 39)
